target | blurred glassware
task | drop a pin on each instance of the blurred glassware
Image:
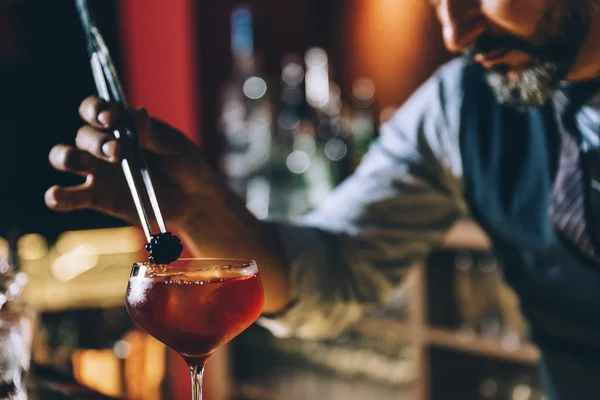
(524, 388)
(11, 343)
(17, 327)
(468, 318)
(488, 388)
(488, 280)
(11, 287)
(485, 304)
(17, 324)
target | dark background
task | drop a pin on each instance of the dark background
(44, 74)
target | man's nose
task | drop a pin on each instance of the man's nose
(462, 22)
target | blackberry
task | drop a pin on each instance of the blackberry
(164, 248)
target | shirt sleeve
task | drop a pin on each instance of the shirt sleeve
(349, 255)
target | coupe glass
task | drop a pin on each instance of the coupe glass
(194, 306)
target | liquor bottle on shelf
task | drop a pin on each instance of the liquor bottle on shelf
(363, 123)
(317, 82)
(287, 163)
(246, 116)
(332, 152)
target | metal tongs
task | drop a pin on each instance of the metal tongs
(109, 88)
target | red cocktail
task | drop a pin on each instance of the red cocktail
(195, 305)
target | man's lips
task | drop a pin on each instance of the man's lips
(512, 59)
(491, 58)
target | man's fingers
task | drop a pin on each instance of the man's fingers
(99, 113)
(71, 198)
(108, 197)
(69, 159)
(98, 143)
(153, 135)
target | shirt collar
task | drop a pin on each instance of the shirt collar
(580, 102)
(581, 94)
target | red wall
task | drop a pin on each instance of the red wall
(160, 59)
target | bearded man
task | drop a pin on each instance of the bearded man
(507, 134)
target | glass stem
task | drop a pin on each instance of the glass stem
(196, 372)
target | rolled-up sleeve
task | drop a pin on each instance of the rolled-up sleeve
(350, 254)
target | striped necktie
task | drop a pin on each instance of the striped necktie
(567, 206)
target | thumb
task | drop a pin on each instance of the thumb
(153, 136)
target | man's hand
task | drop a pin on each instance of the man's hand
(212, 220)
(176, 164)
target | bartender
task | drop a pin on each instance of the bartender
(506, 134)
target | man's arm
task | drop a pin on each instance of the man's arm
(351, 254)
(228, 229)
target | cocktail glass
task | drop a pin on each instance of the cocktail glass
(194, 306)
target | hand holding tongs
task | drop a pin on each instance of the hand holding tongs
(109, 88)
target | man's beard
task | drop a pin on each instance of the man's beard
(553, 48)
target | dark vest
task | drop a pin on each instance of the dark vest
(509, 162)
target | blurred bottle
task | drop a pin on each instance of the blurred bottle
(488, 389)
(332, 157)
(334, 137)
(363, 123)
(317, 81)
(246, 117)
(289, 158)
